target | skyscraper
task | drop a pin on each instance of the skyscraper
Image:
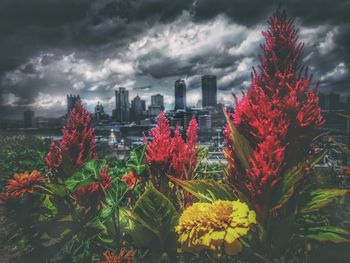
(157, 105)
(209, 90)
(71, 100)
(122, 105)
(138, 106)
(180, 94)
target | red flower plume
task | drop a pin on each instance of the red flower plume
(278, 115)
(78, 142)
(159, 150)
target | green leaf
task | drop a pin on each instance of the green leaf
(321, 198)
(78, 180)
(206, 190)
(85, 175)
(328, 234)
(137, 159)
(240, 144)
(48, 204)
(294, 175)
(56, 189)
(156, 213)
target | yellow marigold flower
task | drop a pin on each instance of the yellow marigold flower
(214, 226)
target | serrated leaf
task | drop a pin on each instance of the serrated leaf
(106, 212)
(294, 175)
(48, 204)
(85, 175)
(321, 198)
(137, 160)
(328, 234)
(56, 189)
(240, 144)
(206, 190)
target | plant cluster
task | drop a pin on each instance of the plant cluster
(166, 205)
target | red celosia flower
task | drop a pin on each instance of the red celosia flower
(77, 145)
(184, 157)
(159, 150)
(123, 256)
(91, 195)
(166, 155)
(53, 159)
(278, 115)
(24, 183)
(131, 179)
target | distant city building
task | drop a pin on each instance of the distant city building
(157, 105)
(204, 122)
(209, 91)
(71, 100)
(122, 105)
(157, 100)
(100, 113)
(28, 117)
(334, 102)
(138, 107)
(180, 94)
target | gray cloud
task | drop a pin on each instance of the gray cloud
(49, 48)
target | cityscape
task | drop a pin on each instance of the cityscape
(174, 131)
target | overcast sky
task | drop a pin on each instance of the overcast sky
(50, 48)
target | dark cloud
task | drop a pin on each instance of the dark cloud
(49, 48)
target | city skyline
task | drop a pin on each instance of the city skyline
(91, 49)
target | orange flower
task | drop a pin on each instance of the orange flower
(123, 257)
(131, 179)
(24, 183)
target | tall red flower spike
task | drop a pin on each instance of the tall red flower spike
(91, 195)
(278, 115)
(78, 142)
(159, 150)
(167, 155)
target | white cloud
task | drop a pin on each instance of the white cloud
(47, 102)
(337, 73)
(328, 44)
(10, 99)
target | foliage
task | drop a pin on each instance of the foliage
(15, 158)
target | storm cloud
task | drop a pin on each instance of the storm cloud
(50, 48)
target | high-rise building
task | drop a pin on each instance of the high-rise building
(71, 100)
(157, 105)
(180, 94)
(209, 90)
(157, 100)
(122, 105)
(99, 112)
(28, 116)
(138, 107)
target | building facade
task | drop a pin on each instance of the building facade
(122, 105)
(180, 94)
(209, 91)
(138, 107)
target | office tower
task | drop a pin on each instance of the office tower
(28, 116)
(71, 100)
(180, 94)
(209, 90)
(157, 100)
(122, 105)
(157, 105)
(138, 107)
